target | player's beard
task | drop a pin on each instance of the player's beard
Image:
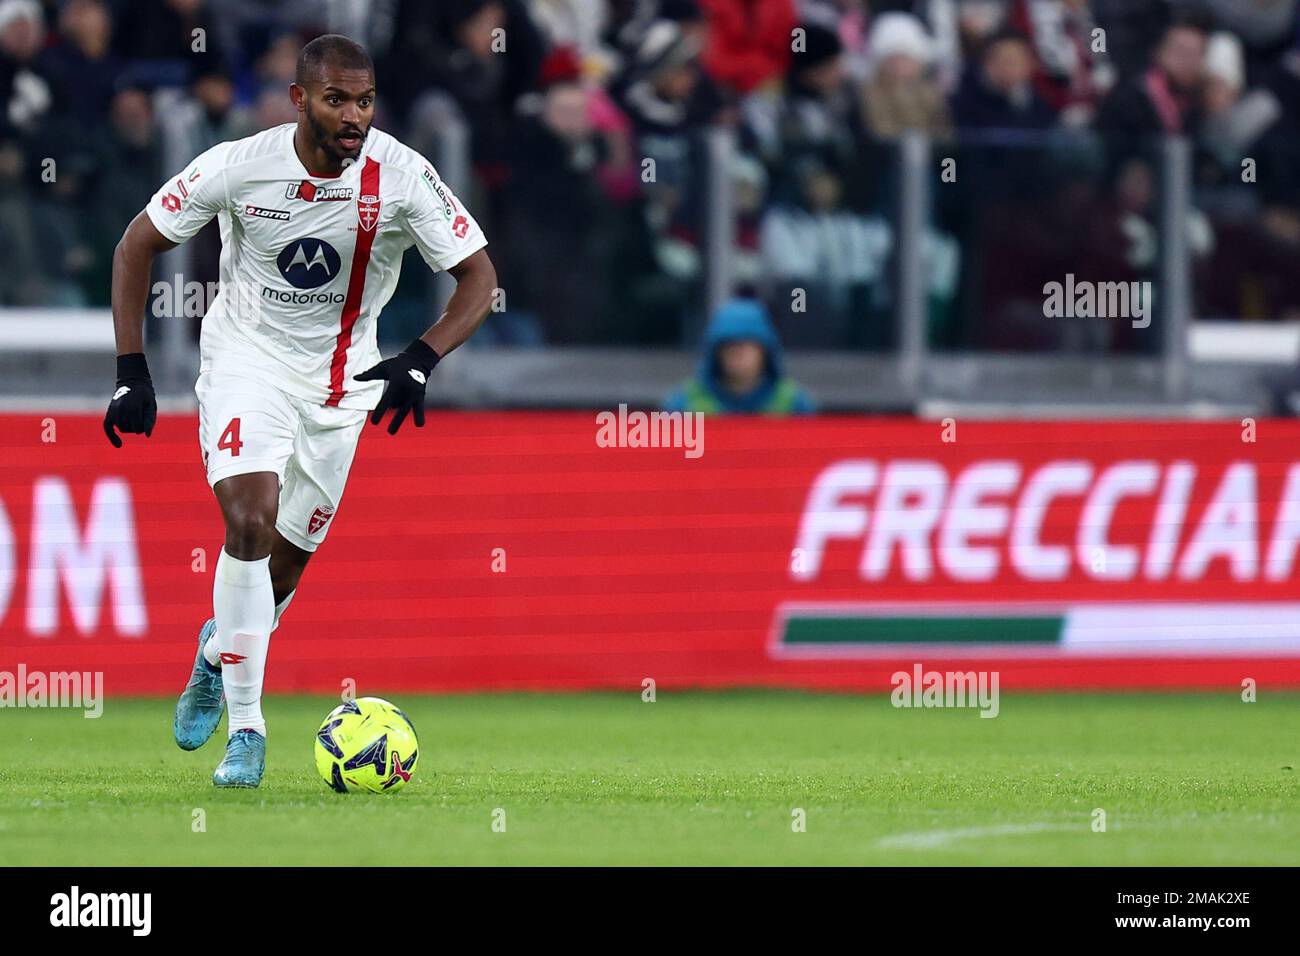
(326, 141)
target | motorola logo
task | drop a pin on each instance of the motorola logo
(308, 263)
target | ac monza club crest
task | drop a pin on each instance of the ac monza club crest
(319, 518)
(368, 211)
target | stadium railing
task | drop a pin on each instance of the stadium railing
(917, 338)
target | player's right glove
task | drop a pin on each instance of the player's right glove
(133, 409)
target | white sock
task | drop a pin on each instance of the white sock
(243, 603)
(212, 653)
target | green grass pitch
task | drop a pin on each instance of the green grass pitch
(693, 778)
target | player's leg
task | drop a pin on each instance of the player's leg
(246, 431)
(242, 587)
(241, 590)
(288, 561)
(243, 604)
(314, 478)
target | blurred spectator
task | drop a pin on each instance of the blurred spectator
(657, 95)
(483, 54)
(849, 19)
(168, 42)
(131, 165)
(1225, 73)
(953, 26)
(823, 261)
(741, 368)
(900, 94)
(814, 117)
(1260, 24)
(22, 278)
(748, 41)
(661, 79)
(219, 119)
(1234, 119)
(25, 91)
(1131, 28)
(619, 171)
(129, 172)
(1283, 84)
(1071, 76)
(978, 21)
(835, 263)
(636, 17)
(1167, 97)
(1257, 223)
(998, 93)
(565, 100)
(553, 161)
(1126, 239)
(82, 67)
(579, 25)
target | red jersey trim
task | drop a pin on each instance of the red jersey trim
(356, 286)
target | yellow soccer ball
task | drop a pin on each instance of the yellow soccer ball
(366, 744)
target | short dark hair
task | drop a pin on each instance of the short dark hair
(332, 49)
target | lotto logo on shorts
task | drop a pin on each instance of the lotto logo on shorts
(319, 518)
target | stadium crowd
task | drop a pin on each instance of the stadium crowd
(585, 122)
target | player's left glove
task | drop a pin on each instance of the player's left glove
(407, 374)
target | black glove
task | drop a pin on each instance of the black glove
(133, 409)
(407, 373)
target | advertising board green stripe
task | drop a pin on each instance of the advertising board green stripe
(924, 630)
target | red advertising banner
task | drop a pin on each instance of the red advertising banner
(566, 551)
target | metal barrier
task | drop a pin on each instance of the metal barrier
(912, 375)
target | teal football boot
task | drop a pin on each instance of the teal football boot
(199, 709)
(244, 762)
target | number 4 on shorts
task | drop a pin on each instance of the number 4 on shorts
(230, 439)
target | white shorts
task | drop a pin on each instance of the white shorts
(246, 425)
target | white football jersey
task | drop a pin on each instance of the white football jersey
(308, 261)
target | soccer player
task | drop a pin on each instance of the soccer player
(314, 216)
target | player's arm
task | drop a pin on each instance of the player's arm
(448, 238)
(408, 371)
(132, 266)
(179, 209)
(133, 408)
(476, 283)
